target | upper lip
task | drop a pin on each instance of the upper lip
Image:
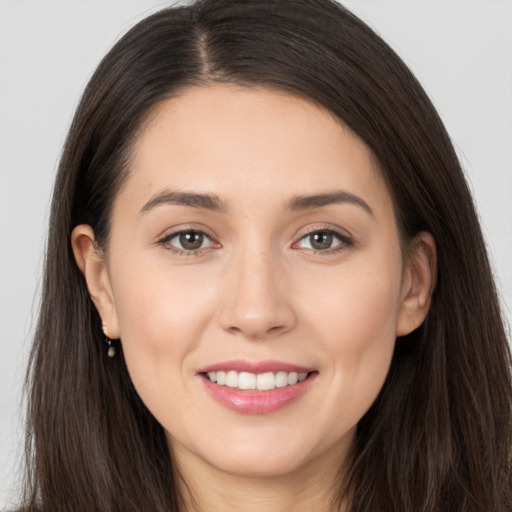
(242, 365)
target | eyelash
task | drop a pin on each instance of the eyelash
(166, 242)
(345, 241)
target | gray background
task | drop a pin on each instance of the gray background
(461, 50)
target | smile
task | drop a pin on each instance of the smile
(255, 381)
(256, 387)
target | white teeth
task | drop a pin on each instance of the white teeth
(232, 379)
(293, 378)
(251, 381)
(266, 381)
(281, 379)
(247, 380)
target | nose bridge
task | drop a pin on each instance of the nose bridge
(258, 304)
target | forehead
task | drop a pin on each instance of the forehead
(248, 142)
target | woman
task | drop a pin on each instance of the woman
(266, 286)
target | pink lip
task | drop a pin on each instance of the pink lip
(256, 402)
(241, 365)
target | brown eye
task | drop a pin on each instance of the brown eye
(191, 240)
(321, 240)
(324, 240)
(188, 241)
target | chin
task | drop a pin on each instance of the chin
(258, 466)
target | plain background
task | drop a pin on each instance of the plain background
(461, 50)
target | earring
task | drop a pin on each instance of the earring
(111, 349)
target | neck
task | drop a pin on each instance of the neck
(205, 488)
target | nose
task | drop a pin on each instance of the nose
(257, 303)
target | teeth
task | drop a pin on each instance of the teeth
(266, 381)
(247, 380)
(232, 379)
(281, 379)
(293, 378)
(261, 382)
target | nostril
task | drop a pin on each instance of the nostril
(257, 323)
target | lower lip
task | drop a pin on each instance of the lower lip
(257, 402)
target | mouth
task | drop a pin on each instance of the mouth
(256, 388)
(248, 381)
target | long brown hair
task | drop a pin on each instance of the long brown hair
(439, 436)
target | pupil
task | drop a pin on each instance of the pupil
(191, 240)
(321, 240)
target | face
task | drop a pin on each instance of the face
(255, 277)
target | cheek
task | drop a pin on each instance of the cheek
(356, 323)
(367, 339)
(157, 302)
(161, 316)
(366, 314)
(356, 306)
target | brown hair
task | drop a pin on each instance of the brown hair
(438, 437)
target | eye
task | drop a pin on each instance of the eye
(189, 240)
(324, 240)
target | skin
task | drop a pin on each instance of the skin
(256, 289)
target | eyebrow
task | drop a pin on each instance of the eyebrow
(195, 200)
(327, 199)
(213, 203)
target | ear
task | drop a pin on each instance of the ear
(92, 264)
(418, 283)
